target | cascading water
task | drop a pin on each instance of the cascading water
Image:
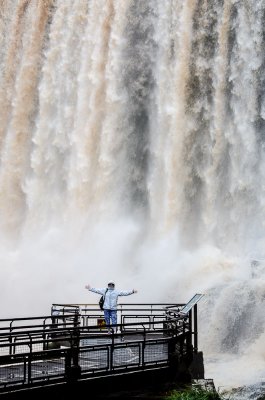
(132, 148)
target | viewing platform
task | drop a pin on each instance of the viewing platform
(71, 348)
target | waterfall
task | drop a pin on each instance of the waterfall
(132, 148)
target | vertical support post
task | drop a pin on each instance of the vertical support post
(189, 335)
(173, 357)
(74, 371)
(143, 346)
(120, 317)
(111, 349)
(30, 360)
(25, 369)
(195, 329)
(68, 364)
(11, 348)
(76, 342)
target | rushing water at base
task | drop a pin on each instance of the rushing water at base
(132, 139)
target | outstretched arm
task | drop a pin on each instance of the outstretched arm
(95, 290)
(127, 292)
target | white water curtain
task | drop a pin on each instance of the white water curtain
(132, 141)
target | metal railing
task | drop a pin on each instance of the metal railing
(67, 345)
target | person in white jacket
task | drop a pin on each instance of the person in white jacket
(110, 301)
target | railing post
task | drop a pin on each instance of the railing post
(111, 348)
(190, 334)
(120, 318)
(195, 329)
(68, 365)
(75, 351)
(143, 345)
(73, 370)
(11, 350)
(173, 356)
(29, 360)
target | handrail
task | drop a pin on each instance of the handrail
(66, 339)
(53, 328)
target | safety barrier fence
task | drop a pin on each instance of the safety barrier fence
(71, 344)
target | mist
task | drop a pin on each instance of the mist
(132, 149)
